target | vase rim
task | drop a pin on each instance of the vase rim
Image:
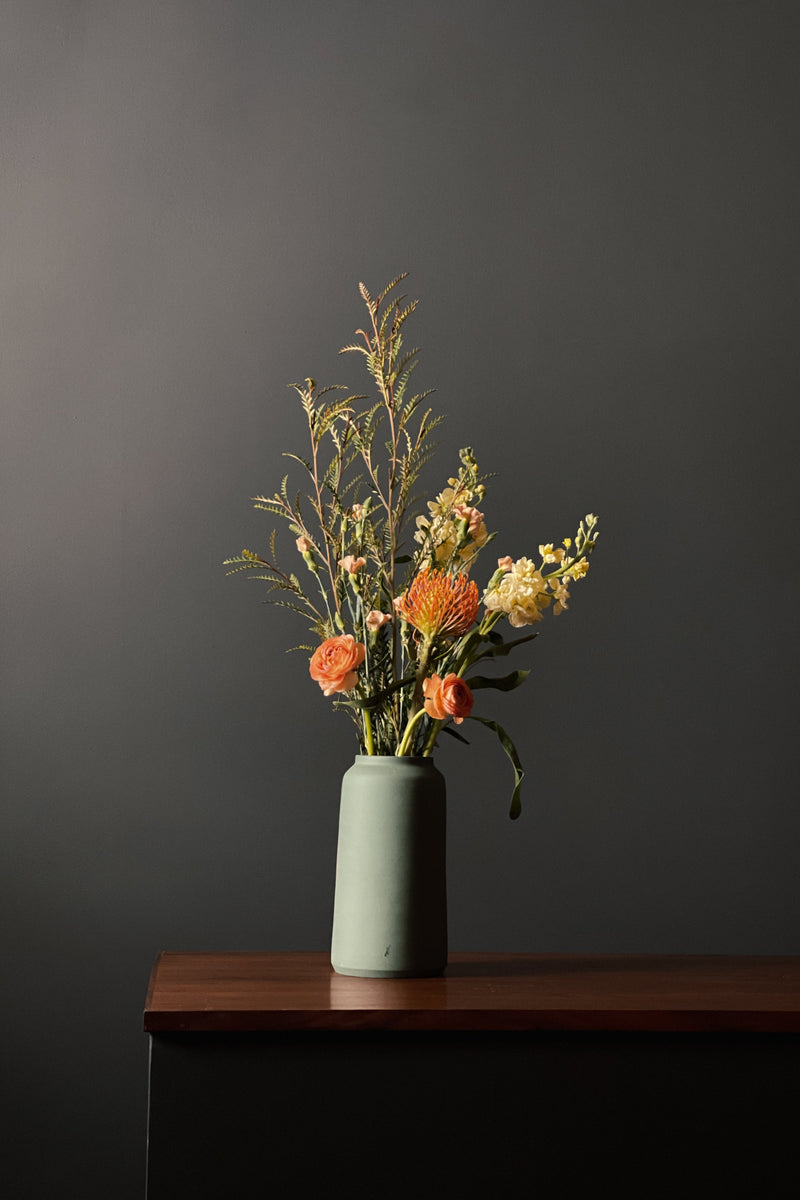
(377, 759)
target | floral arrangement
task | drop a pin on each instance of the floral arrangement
(400, 623)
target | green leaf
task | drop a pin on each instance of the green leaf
(271, 506)
(511, 751)
(505, 683)
(379, 697)
(303, 462)
(454, 733)
(285, 604)
(501, 649)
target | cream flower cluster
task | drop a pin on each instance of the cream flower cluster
(522, 593)
(454, 529)
(519, 588)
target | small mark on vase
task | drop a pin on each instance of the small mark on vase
(386, 952)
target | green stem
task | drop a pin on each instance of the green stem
(402, 749)
(368, 742)
(422, 670)
(430, 742)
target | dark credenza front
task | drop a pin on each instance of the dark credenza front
(511, 1075)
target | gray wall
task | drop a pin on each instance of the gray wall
(597, 203)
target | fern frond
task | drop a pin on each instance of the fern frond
(413, 404)
(408, 362)
(350, 485)
(303, 462)
(288, 604)
(389, 287)
(390, 311)
(277, 584)
(331, 387)
(403, 316)
(331, 413)
(244, 566)
(271, 506)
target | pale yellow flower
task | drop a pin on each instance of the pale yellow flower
(446, 501)
(578, 569)
(560, 595)
(440, 534)
(522, 594)
(441, 530)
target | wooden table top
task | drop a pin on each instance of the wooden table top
(244, 992)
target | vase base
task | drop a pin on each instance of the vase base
(366, 973)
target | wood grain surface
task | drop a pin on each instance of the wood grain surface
(249, 992)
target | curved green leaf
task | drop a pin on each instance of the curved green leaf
(505, 683)
(454, 733)
(499, 648)
(511, 751)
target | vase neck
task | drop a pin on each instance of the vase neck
(381, 759)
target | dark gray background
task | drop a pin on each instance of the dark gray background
(597, 203)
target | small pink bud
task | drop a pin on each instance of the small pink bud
(351, 564)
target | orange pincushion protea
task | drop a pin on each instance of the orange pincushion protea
(439, 604)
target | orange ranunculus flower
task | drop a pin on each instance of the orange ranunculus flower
(448, 697)
(334, 664)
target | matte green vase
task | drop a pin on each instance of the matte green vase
(390, 904)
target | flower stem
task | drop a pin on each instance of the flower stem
(431, 739)
(368, 742)
(422, 671)
(402, 749)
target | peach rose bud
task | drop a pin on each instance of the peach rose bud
(351, 564)
(304, 544)
(376, 619)
(505, 564)
(471, 515)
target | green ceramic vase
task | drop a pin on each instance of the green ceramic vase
(390, 903)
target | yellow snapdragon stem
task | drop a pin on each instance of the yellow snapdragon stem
(406, 740)
(431, 741)
(370, 745)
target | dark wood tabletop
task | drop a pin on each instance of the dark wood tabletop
(246, 992)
